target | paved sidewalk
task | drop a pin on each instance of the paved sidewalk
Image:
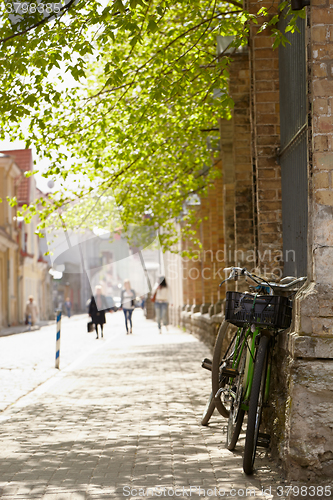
(13, 330)
(125, 417)
(28, 359)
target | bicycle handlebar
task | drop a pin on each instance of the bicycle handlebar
(236, 271)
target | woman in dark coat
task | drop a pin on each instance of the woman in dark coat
(97, 308)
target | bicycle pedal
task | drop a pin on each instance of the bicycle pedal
(263, 443)
(263, 440)
(264, 435)
(229, 372)
(207, 364)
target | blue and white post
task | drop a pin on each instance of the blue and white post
(57, 357)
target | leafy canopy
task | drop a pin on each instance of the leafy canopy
(121, 97)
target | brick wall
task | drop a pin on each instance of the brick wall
(192, 283)
(228, 190)
(266, 139)
(201, 272)
(217, 232)
(322, 92)
(243, 168)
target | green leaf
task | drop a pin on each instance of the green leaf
(118, 5)
(152, 26)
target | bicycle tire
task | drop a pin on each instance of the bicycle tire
(209, 410)
(255, 406)
(218, 355)
(236, 413)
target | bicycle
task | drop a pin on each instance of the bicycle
(241, 365)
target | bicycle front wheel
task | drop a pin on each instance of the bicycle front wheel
(256, 405)
(209, 410)
(236, 412)
(223, 354)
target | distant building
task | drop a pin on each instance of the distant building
(33, 276)
(9, 247)
(81, 261)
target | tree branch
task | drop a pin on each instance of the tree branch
(43, 21)
(64, 9)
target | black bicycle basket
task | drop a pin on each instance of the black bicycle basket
(271, 311)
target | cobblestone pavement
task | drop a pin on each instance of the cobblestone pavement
(28, 359)
(122, 421)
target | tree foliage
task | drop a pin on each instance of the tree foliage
(121, 97)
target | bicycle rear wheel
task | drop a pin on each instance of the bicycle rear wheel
(223, 355)
(256, 405)
(209, 410)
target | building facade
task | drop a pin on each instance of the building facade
(32, 274)
(271, 210)
(9, 246)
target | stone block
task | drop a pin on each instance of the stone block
(322, 16)
(264, 85)
(267, 96)
(320, 106)
(319, 71)
(267, 173)
(320, 34)
(263, 42)
(218, 307)
(269, 184)
(266, 108)
(204, 308)
(321, 143)
(267, 118)
(325, 308)
(320, 3)
(322, 326)
(324, 197)
(309, 305)
(305, 325)
(324, 125)
(323, 88)
(195, 308)
(269, 205)
(309, 421)
(321, 179)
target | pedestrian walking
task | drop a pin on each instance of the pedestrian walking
(128, 304)
(68, 306)
(97, 308)
(31, 311)
(161, 300)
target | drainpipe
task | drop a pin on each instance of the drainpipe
(8, 287)
(19, 296)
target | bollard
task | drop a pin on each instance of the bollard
(57, 358)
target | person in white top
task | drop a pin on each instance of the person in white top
(161, 294)
(127, 303)
(31, 311)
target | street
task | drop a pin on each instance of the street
(120, 419)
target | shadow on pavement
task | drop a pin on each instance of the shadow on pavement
(129, 417)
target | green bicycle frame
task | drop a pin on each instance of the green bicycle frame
(250, 371)
(249, 367)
